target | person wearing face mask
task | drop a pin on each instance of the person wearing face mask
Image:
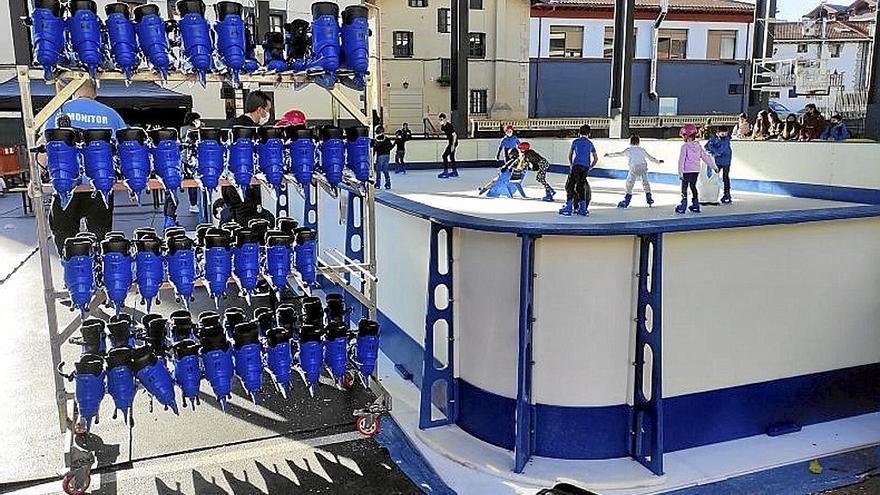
(508, 143)
(258, 112)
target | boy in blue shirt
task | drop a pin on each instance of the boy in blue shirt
(508, 143)
(582, 157)
(83, 112)
(719, 147)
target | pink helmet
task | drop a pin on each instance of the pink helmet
(688, 130)
(292, 117)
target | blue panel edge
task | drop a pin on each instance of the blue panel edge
(689, 420)
(868, 199)
(407, 456)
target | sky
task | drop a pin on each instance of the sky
(792, 10)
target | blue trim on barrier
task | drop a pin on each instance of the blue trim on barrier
(585, 228)
(689, 420)
(794, 189)
(401, 349)
(407, 456)
(796, 479)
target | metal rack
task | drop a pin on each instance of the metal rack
(353, 272)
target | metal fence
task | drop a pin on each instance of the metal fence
(599, 123)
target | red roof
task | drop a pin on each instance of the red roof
(647, 9)
(835, 30)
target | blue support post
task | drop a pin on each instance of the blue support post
(433, 370)
(646, 446)
(354, 246)
(524, 441)
(310, 206)
(282, 201)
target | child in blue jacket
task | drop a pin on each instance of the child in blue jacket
(719, 147)
(836, 131)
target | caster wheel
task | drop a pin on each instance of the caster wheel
(79, 429)
(70, 486)
(367, 426)
(348, 380)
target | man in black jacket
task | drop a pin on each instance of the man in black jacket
(382, 148)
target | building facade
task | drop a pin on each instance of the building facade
(415, 40)
(839, 38)
(703, 53)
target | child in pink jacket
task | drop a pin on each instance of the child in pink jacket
(689, 167)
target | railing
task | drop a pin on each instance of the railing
(601, 123)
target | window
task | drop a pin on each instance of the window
(834, 49)
(276, 23)
(803, 48)
(608, 41)
(250, 25)
(566, 41)
(476, 4)
(445, 68)
(477, 45)
(721, 45)
(418, 3)
(672, 44)
(478, 101)
(668, 106)
(444, 20)
(172, 10)
(736, 89)
(403, 44)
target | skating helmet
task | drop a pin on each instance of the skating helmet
(523, 146)
(688, 130)
(292, 117)
(508, 127)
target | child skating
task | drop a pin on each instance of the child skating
(582, 157)
(719, 147)
(540, 164)
(638, 169)
(689, 161)
(507, 145)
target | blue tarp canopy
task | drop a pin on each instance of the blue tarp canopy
(139, 95)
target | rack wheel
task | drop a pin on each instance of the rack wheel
(348, 380)
(368, 425)
(79, 428)
(72, 486)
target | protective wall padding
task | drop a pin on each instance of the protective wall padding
(117, 269)
(211, 155)
(332, 154)
(84, 29)
(62, 161)
(241, 155)
(166, 158)
(181, 259)
(356, 44)
(149, 268)
(122, 38)
(47, 31)
(229, 32)
(134, 158)
(152, 37)
(188, 370)
(198, 49)
(357, 152)
(270, 153)
(97, 157)
(90, 386)
(153, 374)
(120, 379)
(302, 154)
(79, 271)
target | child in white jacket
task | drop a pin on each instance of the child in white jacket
(638, 169)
